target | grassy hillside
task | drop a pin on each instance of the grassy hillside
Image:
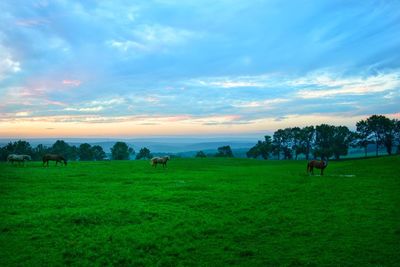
(201, 212)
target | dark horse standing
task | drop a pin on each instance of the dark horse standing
(55, 157)
(319, 164)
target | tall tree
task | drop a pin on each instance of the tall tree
(296, 141)
(7, 150)
(98, 153)
(121, 151)
(254, 151)
(397, 134)
(307, 136)
(73, 153)
(200, 154)
(324, 138)
(389, 135)
(262, 148)
(379, 126)
(287, 143)
(363, 135)
(18, 147)
(342, 137)
(266, 147)
(85, 152)
(39, 151)
(63, 148)
(224, 151)
(277, 142)
(22, 147)
(144, 153)
(60, 147)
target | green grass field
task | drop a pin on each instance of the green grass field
(208, 212)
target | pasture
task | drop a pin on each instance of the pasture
(208, 212)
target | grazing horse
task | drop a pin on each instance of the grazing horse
(317, 164)
(55, 157)
(18, 158)
(159, 160)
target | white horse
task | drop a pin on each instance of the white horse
(159, 160)
(18, 158)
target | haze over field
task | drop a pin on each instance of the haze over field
(199, 68)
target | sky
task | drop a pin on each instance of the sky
(200, 68)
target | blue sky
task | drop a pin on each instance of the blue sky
(140, 68)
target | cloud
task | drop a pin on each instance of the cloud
(91, 109)
(139, 119)
(233, 84)
(8, 65)
(73, 83)
(95, 106)
(108, 102)
(22, 114)
(153, 38)
(326, 85)
(201, 63)
(31, 22)
(262, 80)
(218, 120)
(125, 46)
(266, 104)
(152, 34)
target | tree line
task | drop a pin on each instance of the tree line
(326, 141)
(84, 152)
(222, 152)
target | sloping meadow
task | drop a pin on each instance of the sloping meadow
(210, 211)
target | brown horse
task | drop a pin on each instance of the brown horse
(319, 164)
(55, 157)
